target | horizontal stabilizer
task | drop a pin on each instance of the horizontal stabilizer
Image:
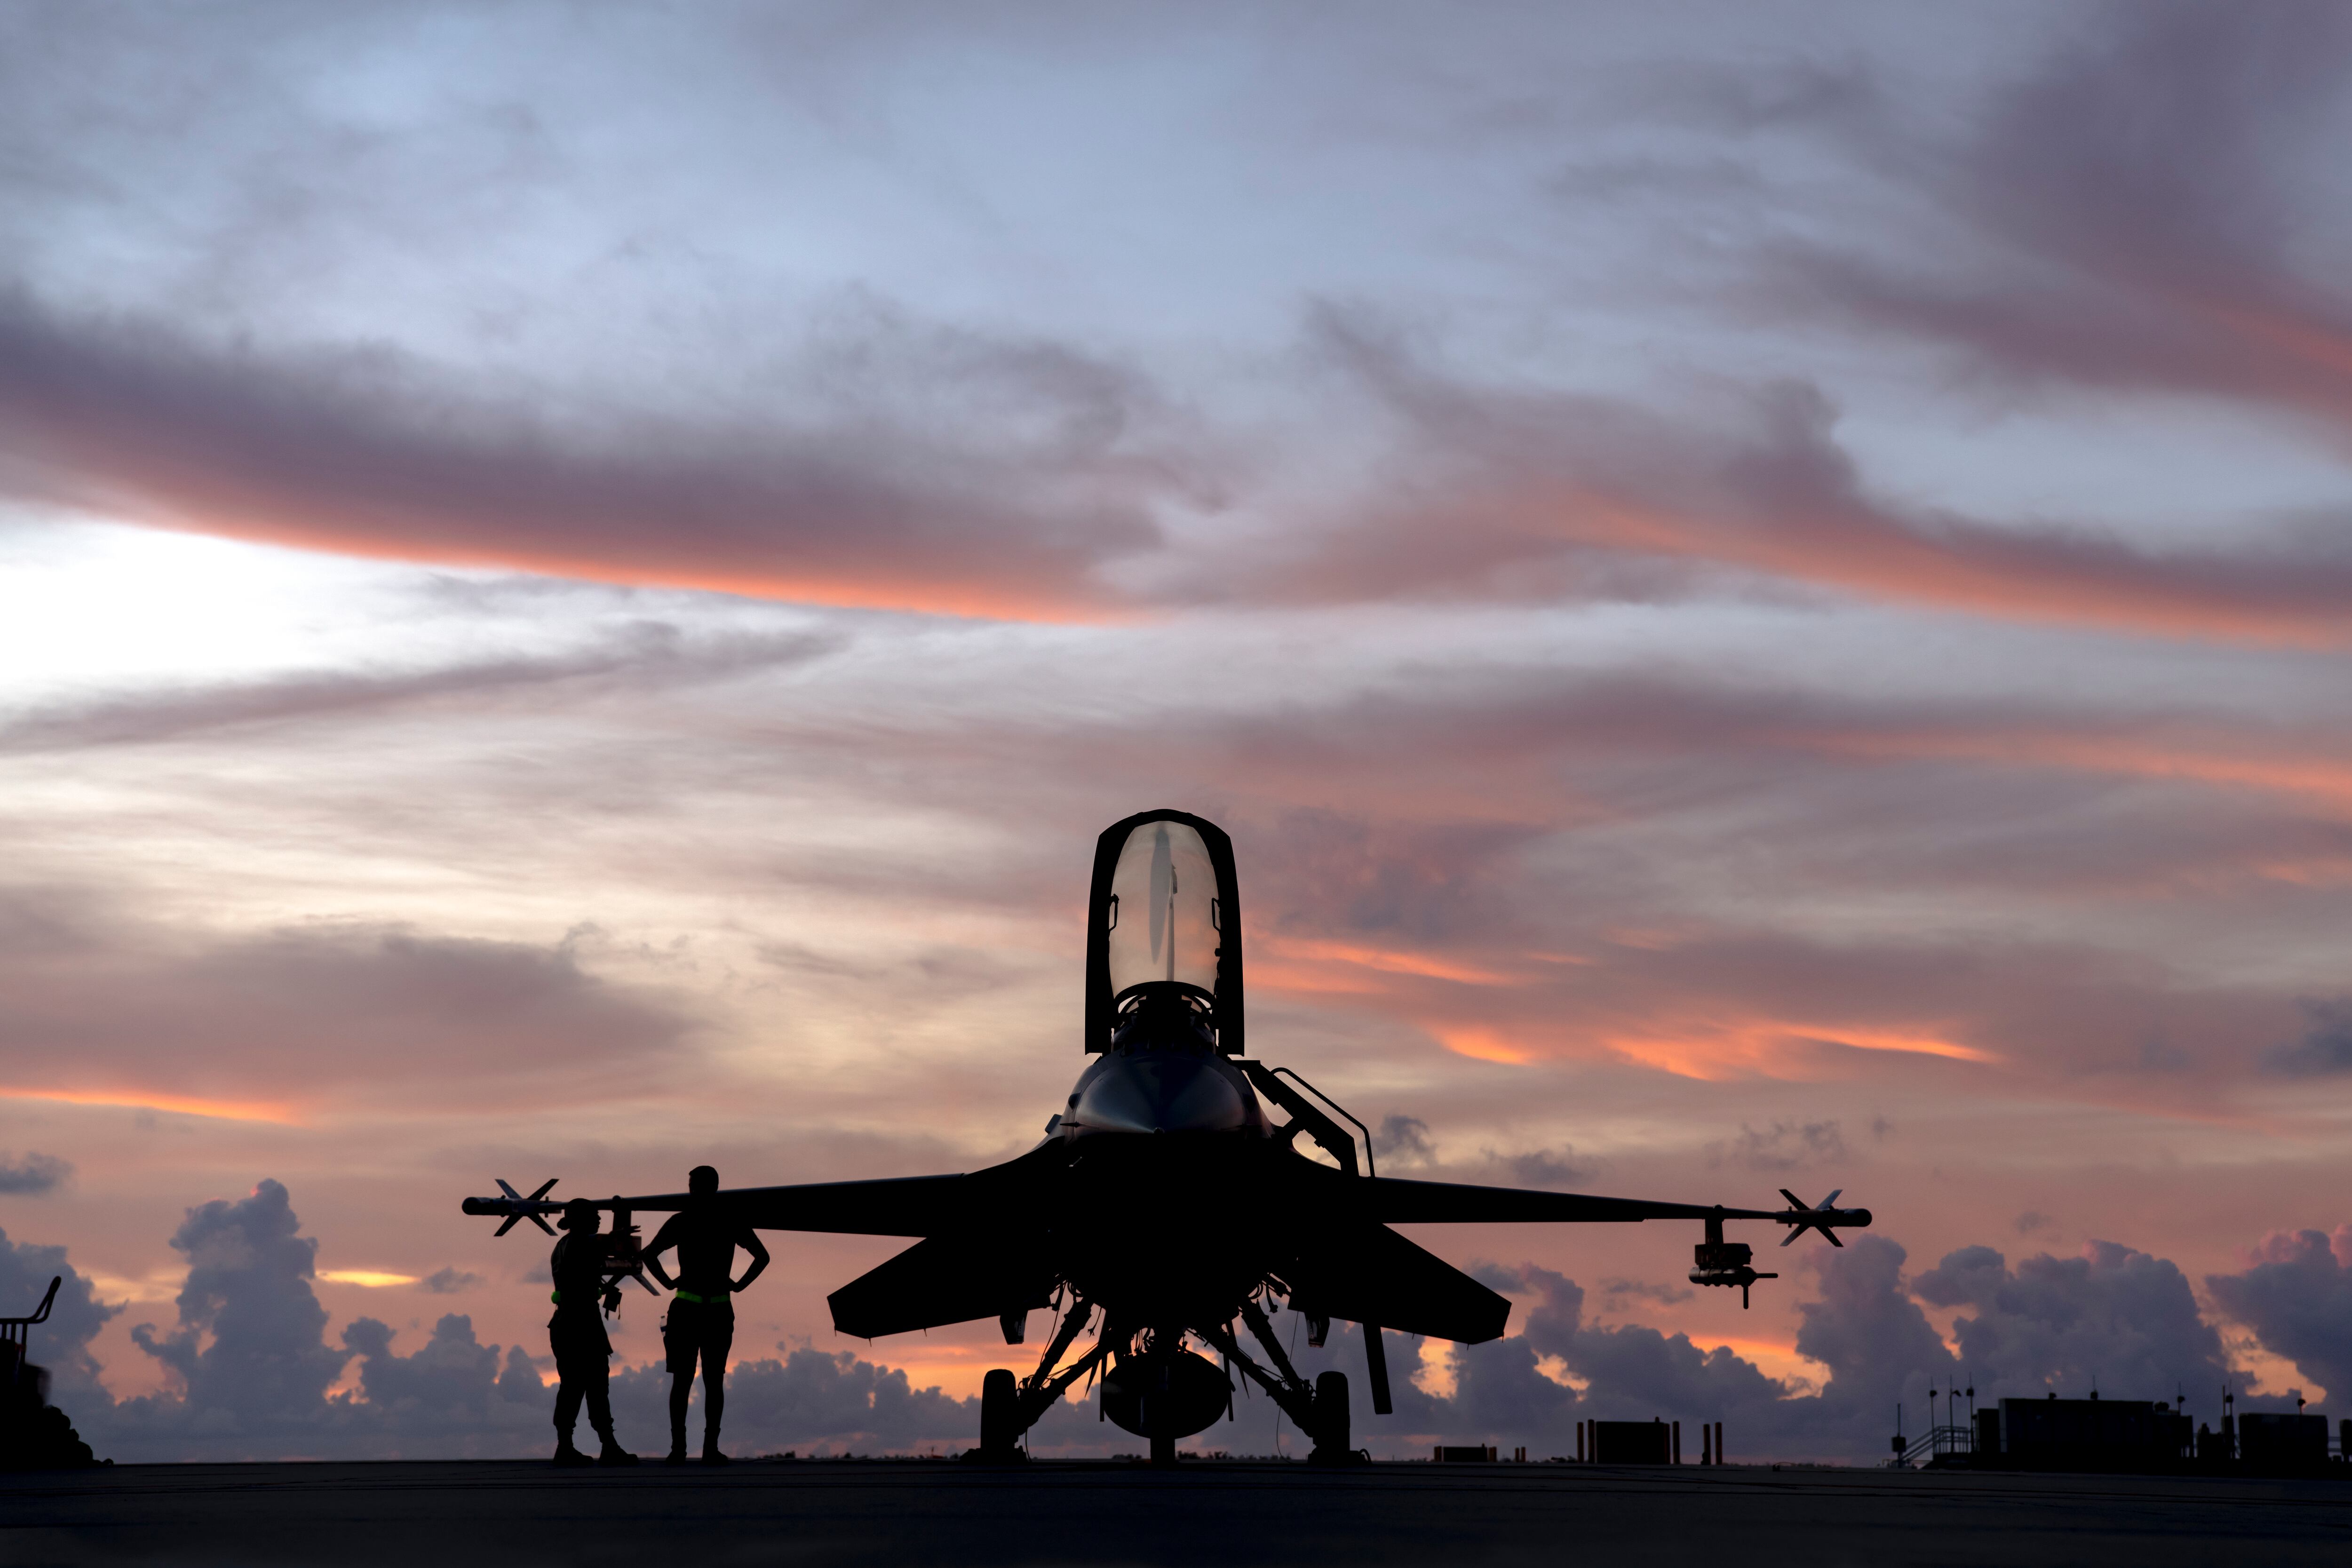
(951, 1278)
(1370, 1274)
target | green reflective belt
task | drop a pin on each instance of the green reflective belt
(701, 1300)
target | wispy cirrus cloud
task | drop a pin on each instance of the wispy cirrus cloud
(1528, 495)
(2145, 211)
(1027, 474)
(1045, 476)
(640, 655)
(280, 1025)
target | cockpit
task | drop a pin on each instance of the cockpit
(1163, 915)
(1164, 949)
(1163, 910)
(1163, 985)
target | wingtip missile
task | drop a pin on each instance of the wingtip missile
(1824, 1216)
(515, 1207)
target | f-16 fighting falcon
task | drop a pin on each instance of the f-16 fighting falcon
(1166, 1210)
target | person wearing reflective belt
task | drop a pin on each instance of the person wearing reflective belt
(576, 1335)
(701, 1321)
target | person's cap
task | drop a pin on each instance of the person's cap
(578, 1214)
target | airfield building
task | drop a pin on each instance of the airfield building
(2136, 1437)
(2054, 1433)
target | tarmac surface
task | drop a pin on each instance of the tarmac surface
(519, 1515)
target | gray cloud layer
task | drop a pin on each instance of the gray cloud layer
(363, 452)
(643, 654)
(32, 1175)
(2131, 215)
(1532, 495)
(306, 1015)
(2140, 214)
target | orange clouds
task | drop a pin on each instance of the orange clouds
(1718, 1001)
(1488, 493)
(141, 1099)
(1484, 1045)
(1312, 965)
(1549, 1018)
(1770, 1047)
(2004, 573)
(2249, 757)
(857, 586)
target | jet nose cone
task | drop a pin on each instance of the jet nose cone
(1161, 1093)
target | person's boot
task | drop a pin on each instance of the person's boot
(566, 1455)
(676, 1446)
(711, 1453)
(612, 1453)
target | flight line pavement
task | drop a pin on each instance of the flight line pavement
(520, 1514)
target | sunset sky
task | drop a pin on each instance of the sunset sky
(1765, 592)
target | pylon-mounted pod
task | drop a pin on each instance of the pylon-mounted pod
(1728, 1263)
(1163, 931)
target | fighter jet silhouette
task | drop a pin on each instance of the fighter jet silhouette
(1165, 1210)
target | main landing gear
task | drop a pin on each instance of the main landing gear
(1155, 1388)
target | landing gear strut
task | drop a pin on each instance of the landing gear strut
(1161, 1391)
(1320, 1409)
(1010, 1407)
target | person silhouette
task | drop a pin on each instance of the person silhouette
(701, 1321)
(576, 1335)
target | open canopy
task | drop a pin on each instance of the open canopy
(1163, 910)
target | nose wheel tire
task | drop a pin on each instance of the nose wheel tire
(1331, 1427)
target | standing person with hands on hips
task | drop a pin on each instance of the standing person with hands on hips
(702, 1322)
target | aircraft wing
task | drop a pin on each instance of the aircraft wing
(896, 1205)
(900, 1206)
(1396, 1201)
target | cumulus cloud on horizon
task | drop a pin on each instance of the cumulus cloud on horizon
(253, 1373)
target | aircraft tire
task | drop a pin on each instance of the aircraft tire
(1000, 1414)
(1331, 1427)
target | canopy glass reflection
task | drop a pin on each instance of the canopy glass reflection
(1163, 912)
